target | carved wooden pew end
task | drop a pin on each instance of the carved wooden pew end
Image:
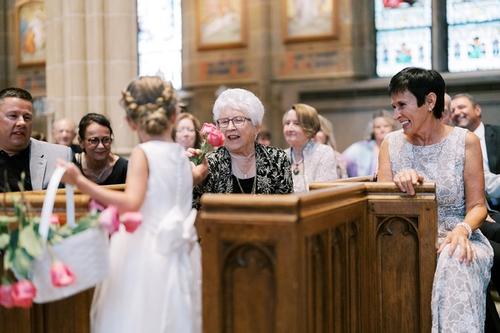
(344, 257)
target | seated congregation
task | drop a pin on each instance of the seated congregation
(331, 255)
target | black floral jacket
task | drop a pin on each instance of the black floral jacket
(272, 167)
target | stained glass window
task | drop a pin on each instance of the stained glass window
(159, 39)
(403, 34)
(473, 35)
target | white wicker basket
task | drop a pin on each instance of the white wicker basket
(85, 253)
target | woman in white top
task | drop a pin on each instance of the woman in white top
(311, 161)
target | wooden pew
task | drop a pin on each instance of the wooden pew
(347, 257)
(353, 257)
(67, 315)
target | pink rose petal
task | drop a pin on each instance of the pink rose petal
(131, 220)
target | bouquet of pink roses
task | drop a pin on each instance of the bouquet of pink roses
(212, 138)
(22, 245)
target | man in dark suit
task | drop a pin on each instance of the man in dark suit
(466, 113)
(492, 174)
(23, 159)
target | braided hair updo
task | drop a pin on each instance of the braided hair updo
(150, 102)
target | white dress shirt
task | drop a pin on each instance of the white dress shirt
(491, 180)
(480, 134)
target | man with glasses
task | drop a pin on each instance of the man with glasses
(25, 163)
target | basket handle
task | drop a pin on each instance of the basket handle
(48, 203)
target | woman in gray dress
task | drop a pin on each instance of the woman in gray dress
(426, 149)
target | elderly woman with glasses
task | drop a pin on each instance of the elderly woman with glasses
(96, 161)
(242, 165)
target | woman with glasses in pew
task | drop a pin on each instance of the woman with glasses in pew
(96, 161)
(242, 165)
(187, 131)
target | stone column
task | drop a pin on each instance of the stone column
(3, 45)
(91, 57)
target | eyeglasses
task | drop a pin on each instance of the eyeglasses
(238, 122)
(185, 129)
(105, 140)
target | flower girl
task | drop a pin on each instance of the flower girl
(153, 284)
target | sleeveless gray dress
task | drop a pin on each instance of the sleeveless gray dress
(459, 290)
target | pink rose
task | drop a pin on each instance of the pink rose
(213, 135)
(23, 293)
(54, 219)
(207, 128)
(110, 219)
(215, 138)
(392, 3)
(96, 206)
(61, 275)
(6, 296)
(131, 220)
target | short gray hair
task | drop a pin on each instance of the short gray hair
(466, 95)
(240, 100)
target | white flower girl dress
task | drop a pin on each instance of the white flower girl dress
(154, 284)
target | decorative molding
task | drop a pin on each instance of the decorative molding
(385, 223)
(243, 265)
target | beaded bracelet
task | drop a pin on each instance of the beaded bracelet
(466, 227)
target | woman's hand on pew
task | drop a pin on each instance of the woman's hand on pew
(407, 179)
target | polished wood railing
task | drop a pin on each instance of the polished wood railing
(346, 257)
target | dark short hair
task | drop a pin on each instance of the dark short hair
(16, 92)
(420, 82)
(90, 118)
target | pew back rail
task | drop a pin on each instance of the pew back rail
(346, 257)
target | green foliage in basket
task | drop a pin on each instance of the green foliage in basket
(21, 243)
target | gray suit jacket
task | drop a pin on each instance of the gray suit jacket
(43, 161)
